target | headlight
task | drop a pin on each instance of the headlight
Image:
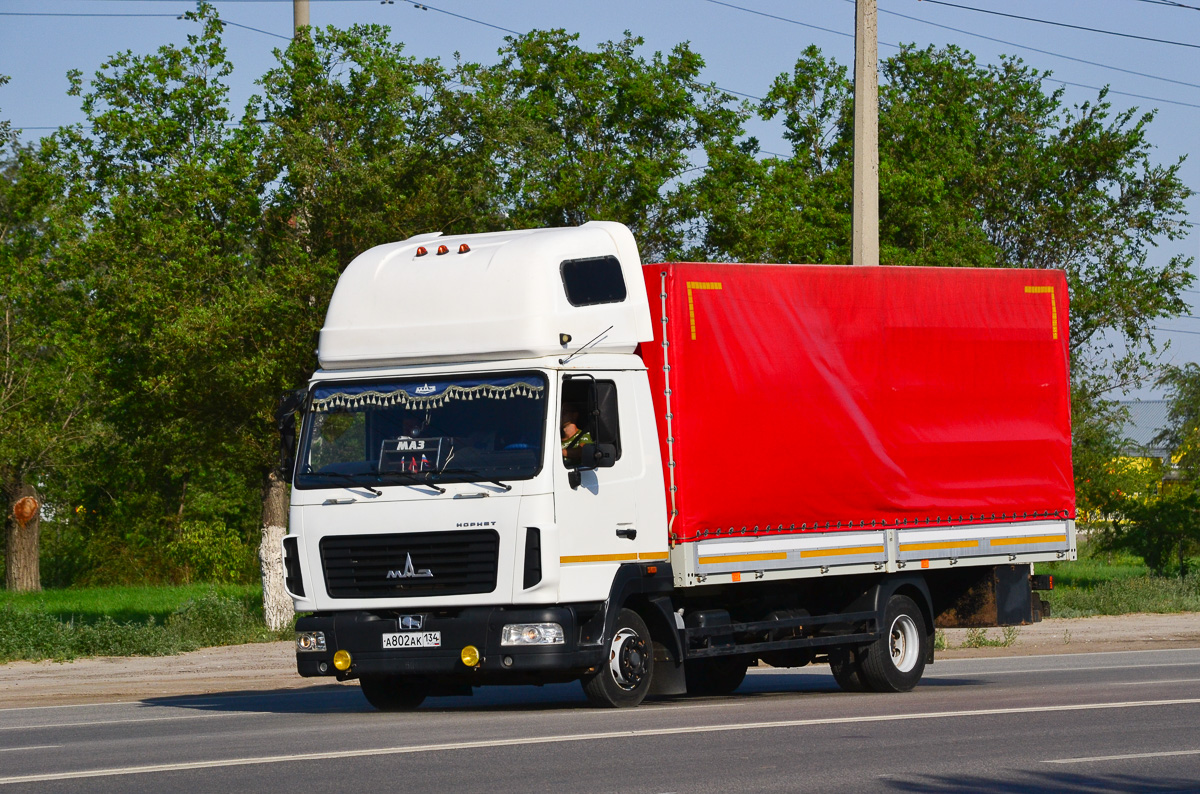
(532, 634)
(310, 640)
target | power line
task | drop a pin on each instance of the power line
(782, 19)
(424, 7)
(89, 14)
(1170, 3)
(1035, 49)
(1175, 330)
(1126, 93)
(1062, 24)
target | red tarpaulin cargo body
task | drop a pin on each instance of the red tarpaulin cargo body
(815, 398)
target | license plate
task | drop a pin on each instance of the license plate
(413, 639)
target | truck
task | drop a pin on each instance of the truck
(528, 458)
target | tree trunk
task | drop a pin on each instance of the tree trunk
(277, 604)
(21, 569)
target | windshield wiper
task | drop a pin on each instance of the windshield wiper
(414, 479)
(345, 476)
(480, 478)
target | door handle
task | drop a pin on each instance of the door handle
(627, 532)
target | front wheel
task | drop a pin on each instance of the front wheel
(624, 680)
(895, 661)
(394, 692)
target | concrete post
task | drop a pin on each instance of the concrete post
(865, 222)
(299, 16)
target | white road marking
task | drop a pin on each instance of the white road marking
(578, 737)
(1163, 681)
(932, 673)
(34, 747)
(126, 722)
(1163, 754)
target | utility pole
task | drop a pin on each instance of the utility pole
(299, 16)
(865, 221)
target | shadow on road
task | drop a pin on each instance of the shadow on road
(1059, 782)
(338, 698)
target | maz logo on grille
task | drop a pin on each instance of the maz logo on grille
(409, 572)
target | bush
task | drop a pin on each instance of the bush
(1122, 596)
(210, 551)
(210, 619)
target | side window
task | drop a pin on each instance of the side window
(594, 280)
(589, 415)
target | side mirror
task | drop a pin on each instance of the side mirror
(290, 403)
(598, 456)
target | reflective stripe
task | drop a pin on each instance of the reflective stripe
(742, 558)
(599, 558)
(841, 552)
(950, 544)
(1030, 539)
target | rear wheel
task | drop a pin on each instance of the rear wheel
(717, 676)
(843, 663)
(394, 692)
(624, 679)
(896, 661)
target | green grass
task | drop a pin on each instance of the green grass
(125, 604)
(1100, 583)
(129, 621)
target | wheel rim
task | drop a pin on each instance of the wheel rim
(627, 659)
(904, 643)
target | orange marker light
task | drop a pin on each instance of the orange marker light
(421, 250)
(443, 250)
(464, 248)
(924, 563)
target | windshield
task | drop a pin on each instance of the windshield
(405, 432)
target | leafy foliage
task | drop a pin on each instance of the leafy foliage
(165, 266)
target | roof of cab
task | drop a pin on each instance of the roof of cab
(500, 298)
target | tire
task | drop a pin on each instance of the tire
(394, 692)
(844, 665)
(895, 661)
(717, 676)
(624, 679)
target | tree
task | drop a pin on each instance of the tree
(171, 290)
(603, 135)
(363, 146)
(44, 379)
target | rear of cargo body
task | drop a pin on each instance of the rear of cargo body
(828, 417)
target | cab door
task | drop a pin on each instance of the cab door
(597, 521)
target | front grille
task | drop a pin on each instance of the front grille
(375, 566)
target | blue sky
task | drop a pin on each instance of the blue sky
(743, 51)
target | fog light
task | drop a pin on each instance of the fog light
(310, 640)
(532, 634)
(341, 660)
(470, 656)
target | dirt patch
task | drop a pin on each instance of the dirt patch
(272, 666)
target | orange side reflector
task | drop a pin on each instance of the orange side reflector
(651, 569)
(737, 577)
(924, 563)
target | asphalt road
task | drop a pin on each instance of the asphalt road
(1082, 722)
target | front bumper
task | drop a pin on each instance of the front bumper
(361, 635)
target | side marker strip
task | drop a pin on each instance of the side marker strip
(1029, 539)
(950, 544)
(598, 558)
